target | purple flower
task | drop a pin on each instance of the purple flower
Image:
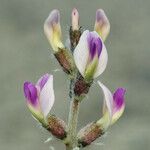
(113, 107)
(40, 97)
(90, 55)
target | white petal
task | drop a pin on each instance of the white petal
(102, 62)
(108, 99)
(81, 52)
(47, 96)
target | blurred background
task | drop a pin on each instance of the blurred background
(25, 54)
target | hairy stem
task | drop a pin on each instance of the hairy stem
(72, 125)
(71, 140)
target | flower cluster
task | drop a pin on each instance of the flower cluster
(85, 61)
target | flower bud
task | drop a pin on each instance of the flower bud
(75, 19)
(52, 30)
(102, 25)
(75, 30)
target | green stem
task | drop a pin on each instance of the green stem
(71, 140)
(72, 125)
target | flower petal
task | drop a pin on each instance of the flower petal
(42, 81)
(118, 104)
(47, 96)
(52, 30)
(81, 52)
(102, 62)
(108, 99)
(30, 93)
(105, 121)
(103, 57)
(95, 45)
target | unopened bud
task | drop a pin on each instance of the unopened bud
(102, 25)
(52, 30)
(75, 19)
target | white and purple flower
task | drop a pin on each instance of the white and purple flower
(40, 97)
(90, 55)
(113, 107)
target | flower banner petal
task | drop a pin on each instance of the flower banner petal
(108, 99)
(81, 52)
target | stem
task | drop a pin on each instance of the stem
(71, 88)
(71, 140)
(72, 125)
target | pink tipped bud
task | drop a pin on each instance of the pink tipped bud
(102, 25)
(75, 19)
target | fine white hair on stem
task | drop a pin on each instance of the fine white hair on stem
(52, 56)
(56, 70)
(49, 139)
(99, 144)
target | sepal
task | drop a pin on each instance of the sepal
(88, 134)
(56, 126)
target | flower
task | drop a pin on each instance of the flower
(90, 55)
(102, 25)
(75, 19)
(52, 30)
(113, 107)
(40, 97)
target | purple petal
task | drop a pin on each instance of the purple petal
(54, 17)
(100, 15)
(99, 46)
(30, 93)
(42, 81)
(95, 45)
(118, 99)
